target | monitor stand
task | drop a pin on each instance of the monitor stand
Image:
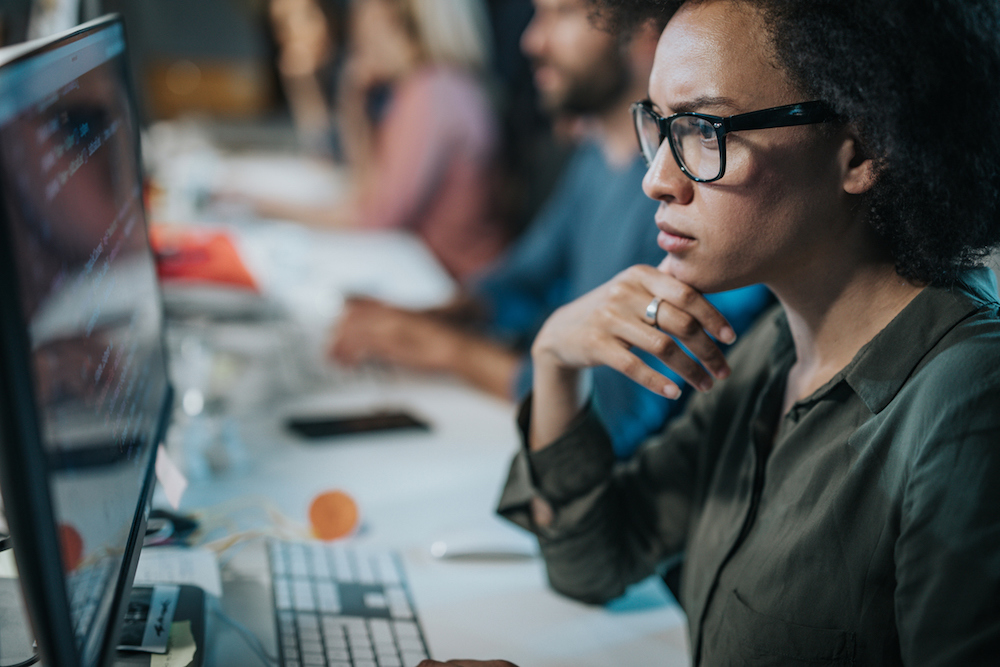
(191, 608)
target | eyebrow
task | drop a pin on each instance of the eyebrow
(702, 102)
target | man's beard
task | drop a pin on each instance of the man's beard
(594, 92)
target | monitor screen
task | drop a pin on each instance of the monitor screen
(83, 385)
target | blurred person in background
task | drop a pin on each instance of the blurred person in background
(310, 36)
(417, 126)
(595, 224)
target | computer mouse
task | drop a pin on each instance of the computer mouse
(485, 546)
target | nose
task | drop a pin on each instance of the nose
(532, 38)
(664, 181)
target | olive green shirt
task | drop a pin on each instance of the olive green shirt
(863, 527)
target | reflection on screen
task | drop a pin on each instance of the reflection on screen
(88, 293)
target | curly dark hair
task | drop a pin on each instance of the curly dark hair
(920, 81)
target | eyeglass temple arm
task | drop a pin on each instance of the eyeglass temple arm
(805, 113)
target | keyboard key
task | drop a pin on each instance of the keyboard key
(363, 653)
(297, 566)
(412, 659)
(410, 645)
(327, 597)
(302, 595)
(309, 635)
(282, 594)
(380, 631)
(365, 574)
(337, 654)
(320, 567)
(311, 645)
(308, 621)
(405, 629)
(278, 566)
(343, 566)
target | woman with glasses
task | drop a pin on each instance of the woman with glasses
(833, 485)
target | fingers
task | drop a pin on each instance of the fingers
(689, 318)
(687, 299)
(689, 331)
(357, 336)
(628, 364)
(666, 349)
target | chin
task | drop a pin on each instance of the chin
(705, 279)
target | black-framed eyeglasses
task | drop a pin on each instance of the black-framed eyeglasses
(698, 140)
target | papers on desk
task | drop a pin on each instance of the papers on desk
(194, 255)
(179, 565)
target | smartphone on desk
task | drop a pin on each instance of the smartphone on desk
(328, 426)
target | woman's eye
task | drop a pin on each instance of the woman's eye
(707, 134)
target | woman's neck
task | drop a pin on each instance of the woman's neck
(835, 315)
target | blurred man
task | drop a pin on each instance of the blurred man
(595, 224)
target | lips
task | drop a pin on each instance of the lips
(672, 240)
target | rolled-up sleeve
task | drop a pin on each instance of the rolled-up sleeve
(612, 523)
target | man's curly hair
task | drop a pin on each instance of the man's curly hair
(920, 81)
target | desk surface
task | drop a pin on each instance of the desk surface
(413, 489)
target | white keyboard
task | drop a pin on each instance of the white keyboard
(342, 607)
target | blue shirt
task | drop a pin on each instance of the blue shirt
(596, 223)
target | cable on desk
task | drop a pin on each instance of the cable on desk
(248, 636)
(220, 518)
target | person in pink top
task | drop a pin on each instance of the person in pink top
(425, 159)
(432, 168)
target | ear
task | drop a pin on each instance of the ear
(858, 166)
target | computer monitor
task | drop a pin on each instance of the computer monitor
(84, 394)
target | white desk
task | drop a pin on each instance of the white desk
(413, 489)
(416, 488)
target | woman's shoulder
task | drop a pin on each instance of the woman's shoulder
(952, 396)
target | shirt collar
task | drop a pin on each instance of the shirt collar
(880, 368)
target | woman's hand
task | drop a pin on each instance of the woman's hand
(372, 330)
(602, 327)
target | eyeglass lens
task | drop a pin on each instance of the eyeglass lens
(694, 140)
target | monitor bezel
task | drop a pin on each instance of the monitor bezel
(27, 501)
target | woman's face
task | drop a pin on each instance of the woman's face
(380, 44)
(781, 206)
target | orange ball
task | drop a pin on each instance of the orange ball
(333, 514)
